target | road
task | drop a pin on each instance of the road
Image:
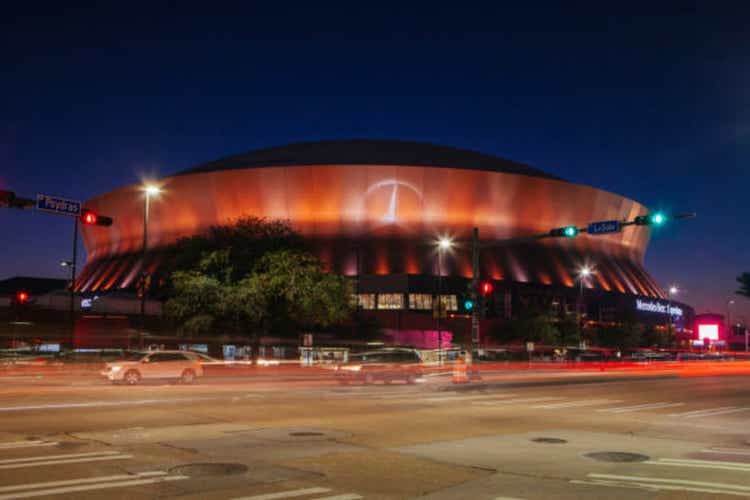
(660, 436)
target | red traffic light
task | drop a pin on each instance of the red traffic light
(22, 297)
(92, 218)
(89, 218)
(486, 288)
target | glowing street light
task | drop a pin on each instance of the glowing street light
(673, 290)
(444, 243)
(150, 190)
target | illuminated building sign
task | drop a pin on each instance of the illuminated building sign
(710, 332)
(657, 307)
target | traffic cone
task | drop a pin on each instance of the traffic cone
(459, 372)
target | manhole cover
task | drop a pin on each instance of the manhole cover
(209, 469)
(550, 440)
(617, 456)
(306, 434)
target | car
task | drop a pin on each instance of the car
(178, 365)
(386, 365)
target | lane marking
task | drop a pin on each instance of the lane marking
(720, 412)
(101, 479)
(51, 457)
(90, 487)
(645, 406)
(687, 414)
(97, 404)
(517, 400)
(464, 398)
(345, 496)
(286, 494)
(575, 404)
(726, 451)
(26, 444)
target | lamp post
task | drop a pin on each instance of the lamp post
(149, 190)
(443, 245)
(730, 302)
(583, 273)
(671, 292)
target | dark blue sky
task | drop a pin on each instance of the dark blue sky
(651, 103)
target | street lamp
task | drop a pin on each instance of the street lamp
(583, 273)
(150, 190)
(443, 244)
(730, 302)
(671, 292)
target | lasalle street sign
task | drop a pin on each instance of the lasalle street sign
(604, 227)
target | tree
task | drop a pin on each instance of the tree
(241, 243)
(287, 290)
(568, 332)
(744, 281)
(292, 287)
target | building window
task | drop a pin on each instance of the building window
(421, 301)
(390, 301)
(366, 300)
(450, 302)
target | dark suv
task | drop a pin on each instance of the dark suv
(386, 365)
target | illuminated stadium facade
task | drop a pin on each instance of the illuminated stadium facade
(374, 210)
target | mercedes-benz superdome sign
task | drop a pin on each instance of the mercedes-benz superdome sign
(657, 307)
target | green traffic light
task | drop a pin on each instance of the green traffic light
(658, 219)
(571, 231)
(469, 305)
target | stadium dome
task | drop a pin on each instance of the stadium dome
(373, 208)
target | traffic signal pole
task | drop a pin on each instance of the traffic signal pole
(74, 262)
(474, 291)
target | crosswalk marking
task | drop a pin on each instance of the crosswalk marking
(576, 404)
(70, 458)
(70, 482)
(656, 483)
(90, 487)
(286, 494)
(645, 406)
(701, 464)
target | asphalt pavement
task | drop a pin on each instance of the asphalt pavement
(519, 436)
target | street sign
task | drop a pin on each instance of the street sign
(604, 227)
(529, 347)
(57, 205)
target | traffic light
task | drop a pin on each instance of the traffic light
(567, 231)
(93, 219)
(10, 200)
(486, 288)
(468, 305)
(22, 297)
(654, 219)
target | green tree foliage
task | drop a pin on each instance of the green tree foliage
(744, 281)
(241, 242)
(251, 276)
(568, 333)
(622, 336)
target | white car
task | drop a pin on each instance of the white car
(179, 365)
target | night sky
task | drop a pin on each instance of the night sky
(651, 103)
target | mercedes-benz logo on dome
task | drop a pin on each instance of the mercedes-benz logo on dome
(391, 190)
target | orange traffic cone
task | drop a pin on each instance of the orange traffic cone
(459, 372)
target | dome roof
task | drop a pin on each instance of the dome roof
(368, 152)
